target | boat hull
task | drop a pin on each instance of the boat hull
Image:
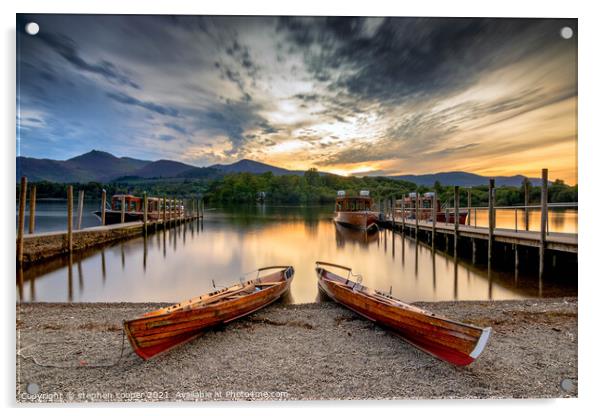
(451, 341)
(160, 331)
(361, 220)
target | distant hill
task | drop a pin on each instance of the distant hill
(92, 166)
(465, 179)
(250, 166)
(104, 167)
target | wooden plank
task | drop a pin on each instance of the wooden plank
(32, 210)
(21, 223)
(544, 219)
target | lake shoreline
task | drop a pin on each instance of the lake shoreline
(312, 351)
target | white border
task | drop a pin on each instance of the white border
(589, 33)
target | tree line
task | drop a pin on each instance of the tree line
(309, 188)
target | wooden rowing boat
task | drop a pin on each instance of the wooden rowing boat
(446, 339)
(161, 330)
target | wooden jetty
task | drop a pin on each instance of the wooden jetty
(407, 220)
(36, 247)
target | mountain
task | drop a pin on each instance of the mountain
(251, 166)
(104, 167)
(92, 166)
(162, 169)
(465, 179)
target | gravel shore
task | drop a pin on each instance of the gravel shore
(317, 351)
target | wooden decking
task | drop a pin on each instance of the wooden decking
(566, 242)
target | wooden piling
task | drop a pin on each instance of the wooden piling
(456, 217)
(544, 219)
(32, 209)
(21, 223)
(80, 208)
(403, 214)
(70, 218)
(469, 203)
(164, 211)
(491, 216)
(122, 209)
(526, 184)
(202, 208)
(145, 211)
(416, 214)
(474, 251)
(434, 218)
(103, 207)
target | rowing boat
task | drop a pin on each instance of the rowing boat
(163, 329)
(452, 341)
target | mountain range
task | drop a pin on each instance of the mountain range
(101, 166)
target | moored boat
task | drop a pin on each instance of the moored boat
(161, 330)
(356, 211)
(421, 206)
(452, 341)
(133, 209)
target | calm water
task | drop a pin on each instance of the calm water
(181, 263)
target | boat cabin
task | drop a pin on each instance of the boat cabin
(363, 202)
(136, 204)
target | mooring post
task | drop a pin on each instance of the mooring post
(474, 251)
(515, 259)
(164, 210)
(103, 206)
(403, 214)
(416, 215)
(122, 209)
(80, 208)
(32, 209)
(202, 208)
(515, 220)
(469, 203)
(544, 219)
(491, 215)
(145, 211)
(21, 227)
(434, 218)
(526, 183)
(70, 218)
(456, 217)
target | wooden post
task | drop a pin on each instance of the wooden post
(515, 220)
(103, 207)
(122, 209)
(145, 211)
(32, 209)
(434, 218)
(80, 208)
(202, 208)
(164, 210)
(416, 215)
(456, 217)
(544, 219)
(172, 211)
(474, 251)
(70, 218)
(469, 200)
(21, 227)
(491, 221)
(526, 182)
(403, 213)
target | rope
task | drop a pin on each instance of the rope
(82, 364)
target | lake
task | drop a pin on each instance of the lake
(231, 243)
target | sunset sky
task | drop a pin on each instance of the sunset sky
(362, 96)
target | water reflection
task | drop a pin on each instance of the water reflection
(181, 262)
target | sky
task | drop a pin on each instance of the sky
(352, 96)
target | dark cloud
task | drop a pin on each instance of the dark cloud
(129, 100)
(176, 127)
(167, 137)
(407, 58)
(67, 48)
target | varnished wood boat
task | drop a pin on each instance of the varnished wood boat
(161, 330)
(455, 342)
(356, 211)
